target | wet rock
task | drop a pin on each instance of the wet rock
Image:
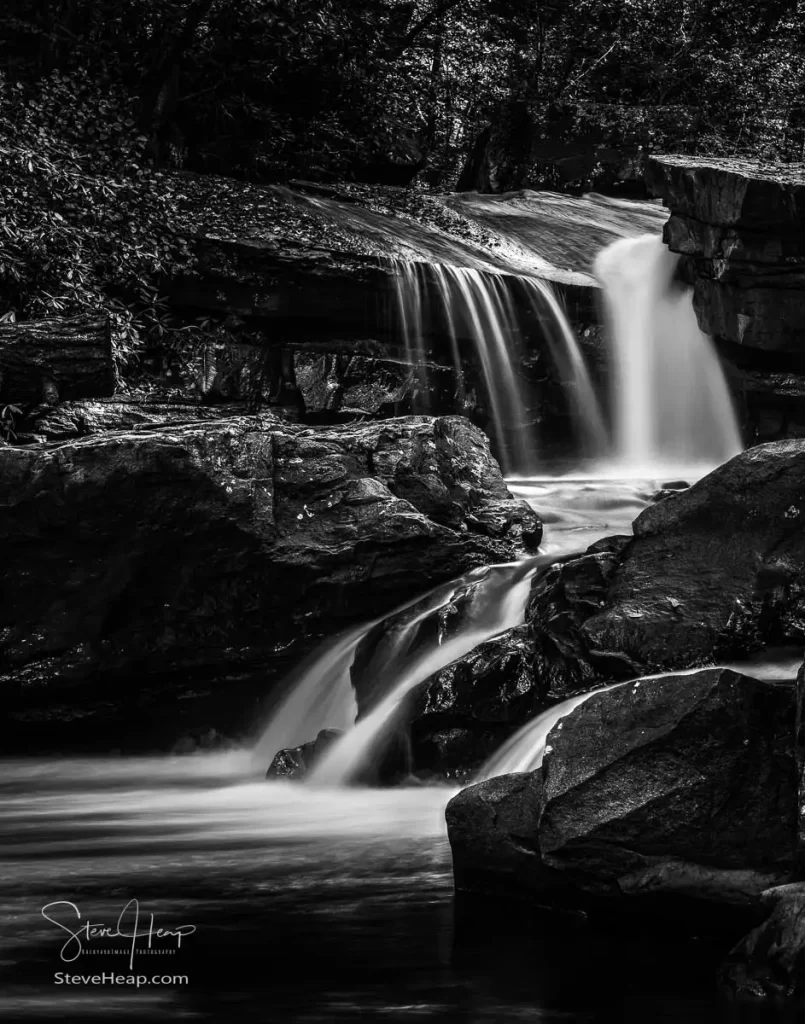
(668, 490)
(712, 574)
(208, 550)
(337, 384)
(462, 714)
(677, 788)
(649, 786)
(296, 762)
(740, 230)
(71, 420)
(770, 961)
(493, 829)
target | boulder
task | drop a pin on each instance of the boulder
(675, 788)
(712, 573)
(463, 713)
(189, 553)
(674, 784)
(296, 762)
(770, 961)
(493, 829)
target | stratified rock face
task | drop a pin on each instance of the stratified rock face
(208, 547)
(648, 777)
(70, 420)
(682, 785)
(770, 961)
(712, 573)
(741, 229)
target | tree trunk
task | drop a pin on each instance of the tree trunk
(56, 359)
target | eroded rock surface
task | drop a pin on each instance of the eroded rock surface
(194, 552)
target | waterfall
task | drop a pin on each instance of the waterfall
(497, 606)
(478, 308)
(318, 696)
(566, 353)
(672, 407)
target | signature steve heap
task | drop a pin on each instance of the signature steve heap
(131, 926)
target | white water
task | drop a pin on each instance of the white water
(478, 307)
(588, 416)
(320, 695)
(672, 406)
(525, 750)
(500, 606)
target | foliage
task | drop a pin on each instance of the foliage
(83, 226)
(272, 89)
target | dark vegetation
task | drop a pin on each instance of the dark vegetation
(106, 105)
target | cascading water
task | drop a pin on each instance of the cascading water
(672, 415)
(495, 607)
(478, 307)
(564, 348)
(671, 404)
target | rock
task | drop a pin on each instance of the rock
(492, 828)
(740, 228)
(296, 762)
(714, 573)
(458, 714)
(770, 961)
(462, 714)
(209, 550)
(79, 419)
(674, 788)
(648, 782)
(336, 385)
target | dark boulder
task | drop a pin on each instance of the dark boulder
(681, 787)
(493, 828)
(770, 961)
(674, 784)
(296, 762)
(462, 714)
(713, 573)
(174, 558)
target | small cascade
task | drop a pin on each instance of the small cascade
(523, 752)
(478, 309)
(318, 696)
(671, 404)
(496, 606)
(413, 315)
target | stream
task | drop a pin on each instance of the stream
(285, 902)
